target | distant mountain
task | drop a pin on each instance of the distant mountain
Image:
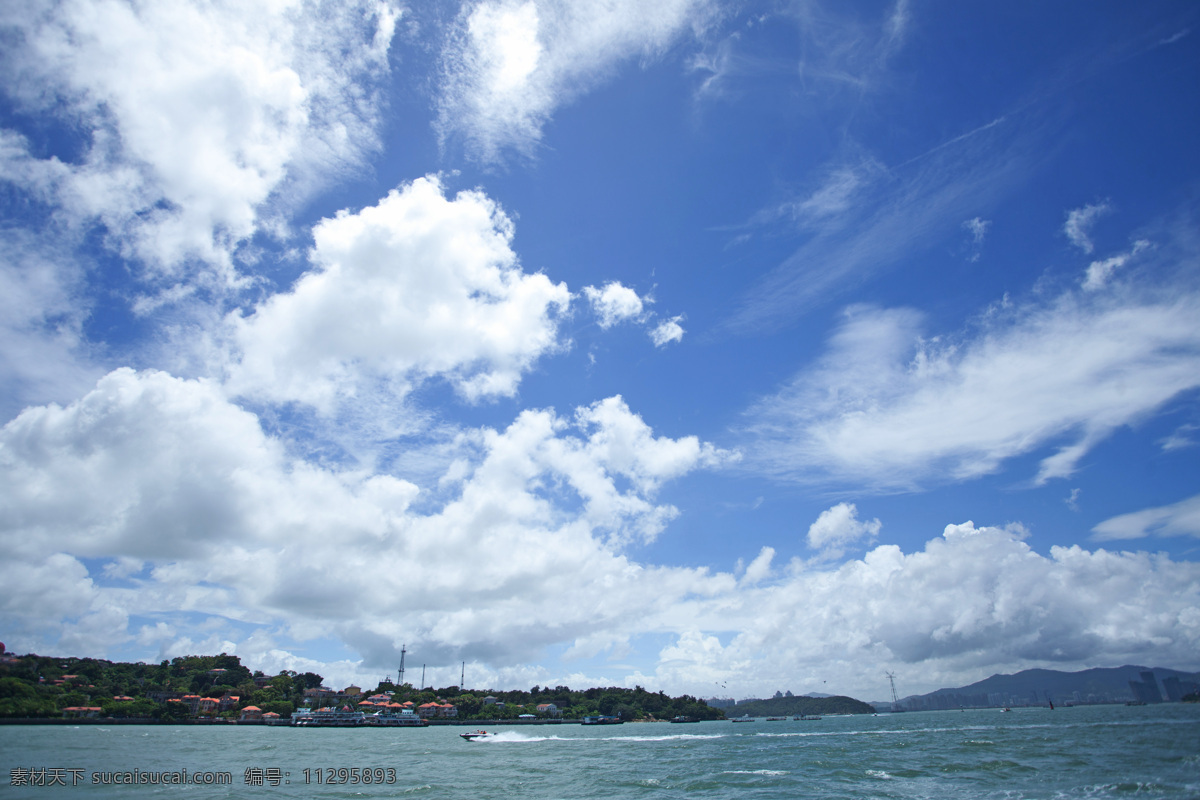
(1037, 686)
(785, 706)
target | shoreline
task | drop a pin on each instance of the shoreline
(259, 723)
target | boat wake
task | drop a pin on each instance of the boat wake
(664, 738)
(513, 737)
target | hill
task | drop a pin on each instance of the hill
(1038, 686)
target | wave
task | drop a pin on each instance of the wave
(755, 772)
(514, 737)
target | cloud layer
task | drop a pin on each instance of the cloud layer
(185, 510)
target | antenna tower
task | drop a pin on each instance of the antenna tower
(462, 681)
(422, 677)
(402, 652)
(892, 680)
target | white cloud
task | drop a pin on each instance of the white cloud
(1180, 438)
(217, 539)
(1099, 272)
(759, 569)
(614, 303)
(978, 228)
(510, 65)
(973, 602)
(864, 225)
(667, 331)
(889, 407)
(414, 287)
(1177, 519)
(43, 352)
(1079, 222)
(192, 508)
(839, 527)
(193, 114)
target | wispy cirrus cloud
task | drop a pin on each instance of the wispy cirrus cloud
(891, 407)
(1176, 519)
(864, 219)
(509, 65)
(1078, 227)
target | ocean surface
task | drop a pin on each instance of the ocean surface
(1082, 752)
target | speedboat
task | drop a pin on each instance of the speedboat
(473, 735)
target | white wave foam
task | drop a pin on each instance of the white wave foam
(755, 772)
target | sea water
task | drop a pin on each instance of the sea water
(1081, 752)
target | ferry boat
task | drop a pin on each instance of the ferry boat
(601, 720)
(328, 718)
(403, 719)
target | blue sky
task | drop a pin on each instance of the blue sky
(714, 348)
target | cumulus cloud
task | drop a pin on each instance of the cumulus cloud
(510, 65)
(887, 406)
(974, 601)
(193, 114)
(182, 499)
(614, 303)
(417, 286)
(667, 331)
(839, 527)
(1177, 519)
(1079, 223)
(203, 533)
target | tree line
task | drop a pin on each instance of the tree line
(42, 686)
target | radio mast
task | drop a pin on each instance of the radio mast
(895, 701)
(402, 651)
